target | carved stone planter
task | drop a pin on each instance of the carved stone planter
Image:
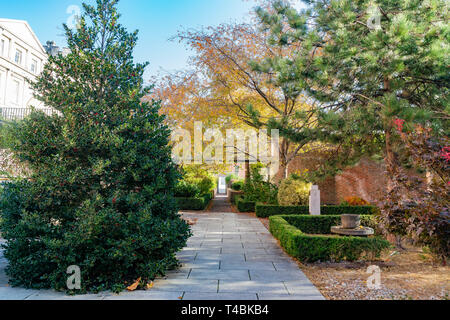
(350, 221)
(351, 226)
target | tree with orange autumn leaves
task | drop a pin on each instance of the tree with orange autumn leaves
(224, 87)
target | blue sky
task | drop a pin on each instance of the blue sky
(157, 21)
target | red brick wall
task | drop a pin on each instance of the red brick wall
(365, 180)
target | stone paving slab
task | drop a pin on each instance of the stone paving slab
(252, 286)
(229, 257)
(146, 295)
(186, 285)
(248, 265)
(207, 274)
(220, 296)
(9, 293)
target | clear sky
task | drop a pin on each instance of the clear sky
(156, 20)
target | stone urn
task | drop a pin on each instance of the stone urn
(350, 221)
(351, 226)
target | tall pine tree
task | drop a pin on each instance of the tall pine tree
(101, 192)
(378, 68)
(369, 64)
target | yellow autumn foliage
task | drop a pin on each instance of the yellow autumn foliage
(293, 192)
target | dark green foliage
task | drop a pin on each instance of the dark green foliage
(196, 189)
(374, 84)
(258, 190)
(234, 195)
(186, 189)
(311, 248)
(237, 186)
(266, 210)
(196, 175)
(206, 185)
(101, 190)
(245, 206)
(199, 203)
(363, 76)
(208, 197)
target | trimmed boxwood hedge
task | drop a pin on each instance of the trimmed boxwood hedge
(245, 206)
(233, 194)
(199, 203)
(322, 224)
(267, 210)
(317, 247)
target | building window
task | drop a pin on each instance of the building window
(34, 65)
(2, 47)
(18, 57)
(16, 92)
(1, 87)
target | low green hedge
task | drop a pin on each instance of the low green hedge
(316, 247)
(245, 206)
(234, 195)
(198, 203)
(322, 224)
(208, 197)
(267, 210)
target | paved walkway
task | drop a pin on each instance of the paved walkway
(230, 257)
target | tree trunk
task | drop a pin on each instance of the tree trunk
(390, 157)
(247, 171)
(285, 171)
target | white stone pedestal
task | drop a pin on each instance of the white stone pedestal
(314, 201)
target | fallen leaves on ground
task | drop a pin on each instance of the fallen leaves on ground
(405, 275)
(134, 286)
(191, 222)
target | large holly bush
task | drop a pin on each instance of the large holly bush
(100, 194)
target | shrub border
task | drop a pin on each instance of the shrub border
(267, 210)
(245, 206)
(196, 204)
(312, 248)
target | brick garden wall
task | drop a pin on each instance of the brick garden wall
(365, 180)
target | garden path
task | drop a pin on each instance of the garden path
(229, 257)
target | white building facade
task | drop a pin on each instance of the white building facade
(22, 57)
